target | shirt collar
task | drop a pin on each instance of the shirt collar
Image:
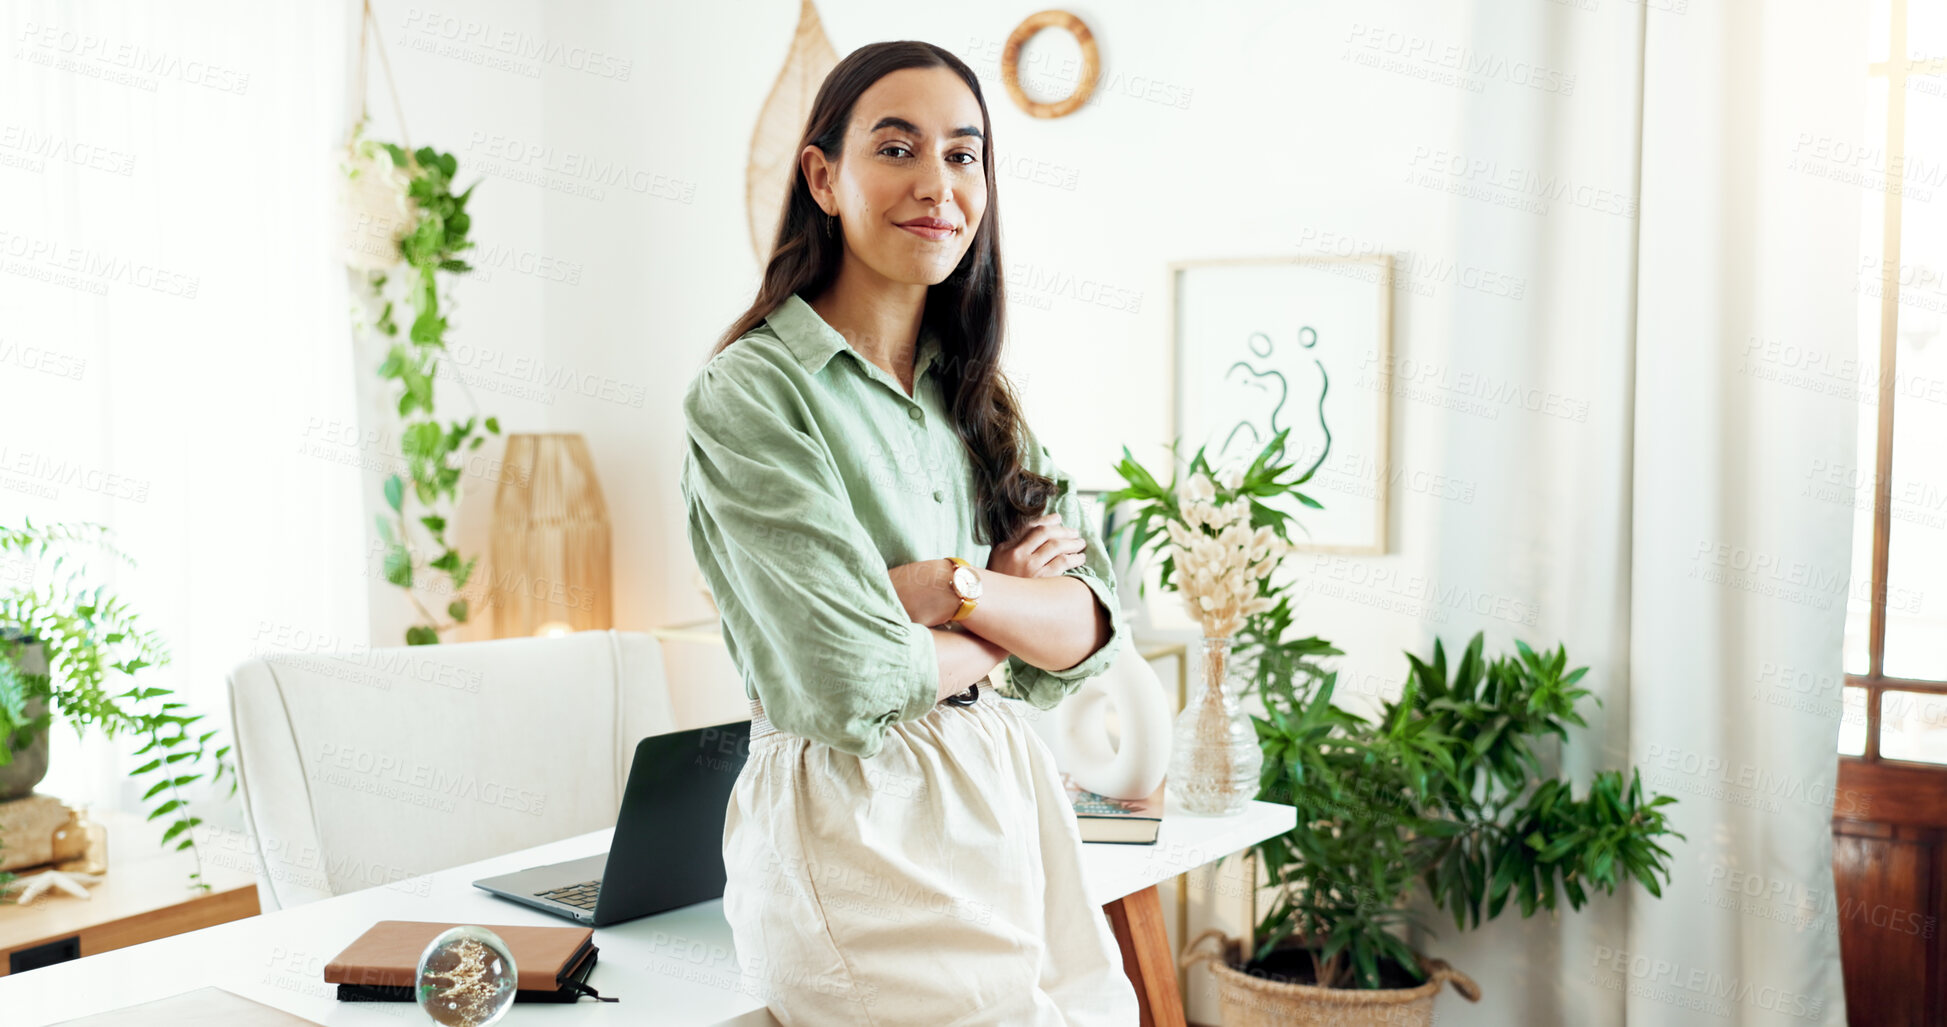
(814, 342)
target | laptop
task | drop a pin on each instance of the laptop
(667, 850)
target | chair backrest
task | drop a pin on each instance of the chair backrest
(375, 766)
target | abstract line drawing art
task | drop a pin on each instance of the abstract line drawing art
(1297, 345)
(1245, 439)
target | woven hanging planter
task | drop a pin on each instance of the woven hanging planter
(1251, 1001)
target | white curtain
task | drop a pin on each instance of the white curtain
(1645, 499)
(174, 335)
(1746, 255)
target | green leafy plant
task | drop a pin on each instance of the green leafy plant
(1446, 790)
(94, 645)
(434, 450)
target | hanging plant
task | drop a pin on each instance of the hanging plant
(406, 228)
(433, 450)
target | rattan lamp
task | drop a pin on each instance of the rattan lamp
(550, 549)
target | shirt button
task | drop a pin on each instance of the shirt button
(938, 496)
(914, 411)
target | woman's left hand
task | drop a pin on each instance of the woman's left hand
(1044, 548)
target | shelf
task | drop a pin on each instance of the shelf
(145, 895)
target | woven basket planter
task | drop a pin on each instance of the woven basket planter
(1251, 1001)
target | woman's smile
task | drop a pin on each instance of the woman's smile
(931, 228)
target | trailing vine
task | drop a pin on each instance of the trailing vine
(434, 451)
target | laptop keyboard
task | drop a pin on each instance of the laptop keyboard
(581, 895)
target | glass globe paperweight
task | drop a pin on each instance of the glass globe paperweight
(466, 978)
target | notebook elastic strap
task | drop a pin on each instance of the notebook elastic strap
(583, 989)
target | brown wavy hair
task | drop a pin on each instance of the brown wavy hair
(967, 311)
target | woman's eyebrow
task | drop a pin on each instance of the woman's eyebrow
(893, 121)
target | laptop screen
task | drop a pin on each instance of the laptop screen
(667, 851)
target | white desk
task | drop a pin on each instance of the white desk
(676, 968)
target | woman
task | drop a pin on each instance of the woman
(898, 846)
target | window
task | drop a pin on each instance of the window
(1895, 692)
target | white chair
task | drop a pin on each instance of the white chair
(369, 767)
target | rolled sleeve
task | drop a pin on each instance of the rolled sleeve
(810, 617)
(1042, 688)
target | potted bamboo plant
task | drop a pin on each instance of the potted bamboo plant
(1446, 790)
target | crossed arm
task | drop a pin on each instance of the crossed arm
(837, 653)
(1051, 621)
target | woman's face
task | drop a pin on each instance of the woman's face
(914, 150)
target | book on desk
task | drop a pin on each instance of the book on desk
(1103, 819)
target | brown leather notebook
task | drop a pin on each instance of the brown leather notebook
(383, 963)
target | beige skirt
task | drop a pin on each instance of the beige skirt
(938, 882)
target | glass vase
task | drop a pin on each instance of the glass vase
(1214, 757)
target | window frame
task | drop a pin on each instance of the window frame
(1897, 69)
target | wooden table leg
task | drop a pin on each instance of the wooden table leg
(1146, 957)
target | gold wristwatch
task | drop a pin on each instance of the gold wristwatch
(966, 585)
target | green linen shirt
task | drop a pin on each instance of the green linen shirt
(809, 473)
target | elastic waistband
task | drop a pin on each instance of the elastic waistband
(760, 725)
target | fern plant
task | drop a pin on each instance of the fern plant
(94, 645)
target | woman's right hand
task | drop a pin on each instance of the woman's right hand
(1043, 549)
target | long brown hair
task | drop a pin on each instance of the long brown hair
(967, 311)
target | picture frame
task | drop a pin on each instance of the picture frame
(1259, 344)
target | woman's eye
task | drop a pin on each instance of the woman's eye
(971, 159)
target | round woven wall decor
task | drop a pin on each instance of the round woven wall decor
(1011, 59)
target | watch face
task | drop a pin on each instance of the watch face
(966, 583)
